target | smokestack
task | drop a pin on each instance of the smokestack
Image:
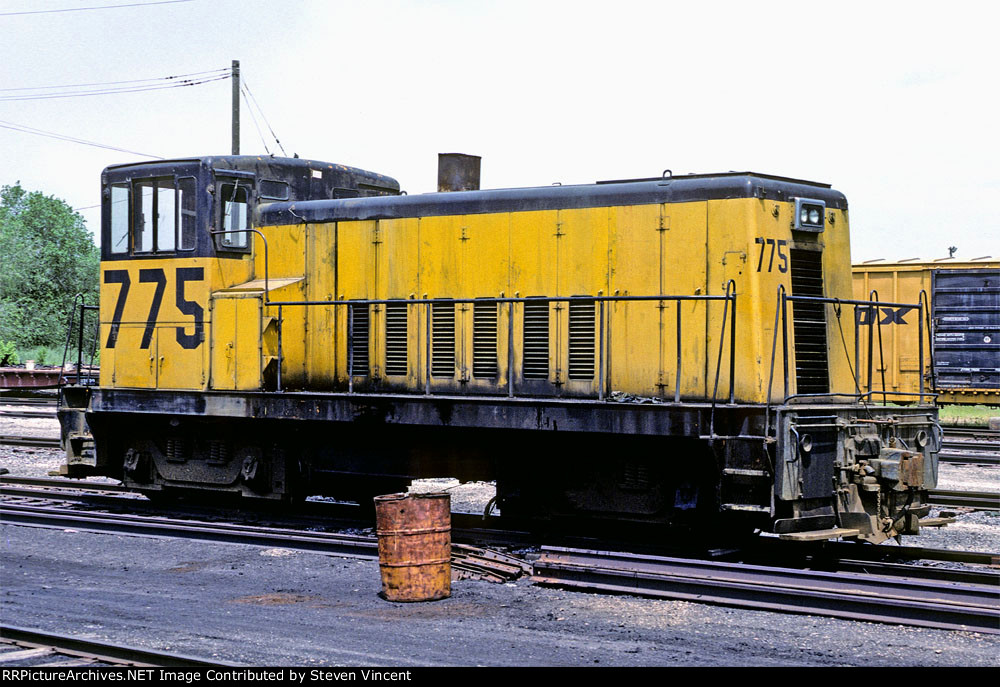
(458, 172)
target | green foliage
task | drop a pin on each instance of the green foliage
(42, 355)
(8, 353)
(973, 416)
(46, 257)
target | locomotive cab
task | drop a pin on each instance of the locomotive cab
(173, 234)
(174, 206)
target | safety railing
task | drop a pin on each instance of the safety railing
(871, 310)
(78, 324)
(603, 325)
(603, 384)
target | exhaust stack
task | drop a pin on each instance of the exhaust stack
(458, 172)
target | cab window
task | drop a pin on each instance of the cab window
(119, 218)
(186, 213)
(163, 215)
(234, 207)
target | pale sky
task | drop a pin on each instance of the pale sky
(895, 104)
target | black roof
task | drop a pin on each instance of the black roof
(602, 194)
(285, 168)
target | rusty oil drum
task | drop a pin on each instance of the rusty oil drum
(414, 545)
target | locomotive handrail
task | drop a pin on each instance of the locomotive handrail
(267, 288)
(872, 316)
(603, 380)
(603, 354)
(731, 284)
(924, 302)
(69, 334)
(871, 306)
(79, 300)
(500, 299)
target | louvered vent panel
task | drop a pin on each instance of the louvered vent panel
(581, 340)
(484, 340)
(536, 341)
(812, 372)
(359, 341)
(443, 340)
(396, 336)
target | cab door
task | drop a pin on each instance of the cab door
(180, 353)
(135, 355)
(236, 342)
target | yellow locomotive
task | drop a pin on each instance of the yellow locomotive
(672, 349)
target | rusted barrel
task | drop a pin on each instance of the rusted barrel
(414, 545)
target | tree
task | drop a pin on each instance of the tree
(46, 257)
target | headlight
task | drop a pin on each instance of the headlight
(809, 214)
(806, 443)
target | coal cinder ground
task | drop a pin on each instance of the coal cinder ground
(258, 606)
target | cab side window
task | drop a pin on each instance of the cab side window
(186, 214)
(235, 204)
(119, 218)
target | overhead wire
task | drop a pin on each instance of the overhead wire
(254, 118)
(244, 85)
(130, 86)
(103, 88)
(220, 71)
(114, 91)
(70, 139)
(94, 7)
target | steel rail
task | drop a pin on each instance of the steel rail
(861, 551)
(920, 572)
(466, 530)
(964, 458)
(870, 598)
(93, 650)
(41, 442)
(951, 444)
(27, 401)
(352, 546)
(61, 482)
(51, 414)
(980, 500)
(501, 529)
(471, 562)
(960, 431)
(466, 527)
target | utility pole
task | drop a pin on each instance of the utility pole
(236, 107)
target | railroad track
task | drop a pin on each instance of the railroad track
(45, 514)
(979, 500)
(28, 400)
(20, 647)
(864, 597)
(968, 445)
(40, 508)
(470, 529)
(465, 527)
(975, 433)
(964, 458)
(40, 442)
(28, 414)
